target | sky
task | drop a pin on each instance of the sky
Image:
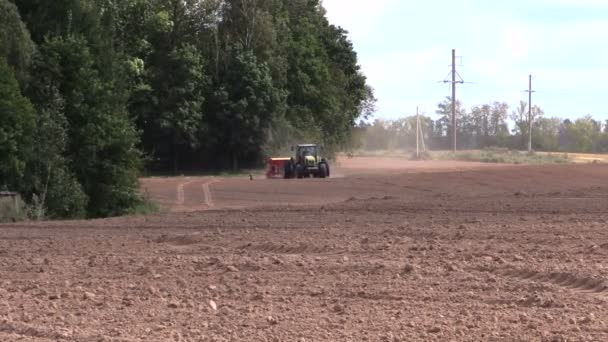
(405, 46)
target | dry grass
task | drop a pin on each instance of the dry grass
(491, 155)
(12, 209)
(504, 156)
(581, 158)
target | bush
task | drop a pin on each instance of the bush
(424, 155)
(145, 206)
(65, 197)
(12, 209)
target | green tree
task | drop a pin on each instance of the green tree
(59, 17)
(101, 149)
(16, 46)
(326, 89)
(245, 105)
(444, 123)
(182, 97)
(48, 175)
(584, 134)
(169, 82)
(545, 134)
(488, 124)
(17, 127)
(522, 123)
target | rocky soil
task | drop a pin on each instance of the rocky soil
(488, 254)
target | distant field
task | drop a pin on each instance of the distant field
(497, 156)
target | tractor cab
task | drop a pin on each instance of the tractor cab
(307, 155)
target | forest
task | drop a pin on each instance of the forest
(96, 93)
(93, 93)
(493, 125)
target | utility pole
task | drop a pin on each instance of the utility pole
(417, 134)
(530, 91)
(454, 100)
(455, 80)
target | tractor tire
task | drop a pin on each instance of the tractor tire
(299, 171)
(288, 171)
(323, 170)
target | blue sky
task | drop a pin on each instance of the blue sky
(404, 48)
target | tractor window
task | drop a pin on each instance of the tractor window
(308, 151)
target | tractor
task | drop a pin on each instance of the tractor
(307, 162)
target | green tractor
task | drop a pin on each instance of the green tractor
(307, 162)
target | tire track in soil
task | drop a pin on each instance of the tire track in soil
(563, 279)
(274, 248)
(181, 197)
(180, 202)
(27, 331)
(207, 193)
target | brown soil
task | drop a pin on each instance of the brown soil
(434, 252)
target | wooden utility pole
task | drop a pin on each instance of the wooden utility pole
(422, 139)
(417, 134)
(454, 100)
(530, 91)
(455, 80)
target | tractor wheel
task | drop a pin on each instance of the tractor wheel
(299, 171)
(288, 171)
(323, 170)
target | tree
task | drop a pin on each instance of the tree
(48, 175)
(170, 82)
(498, 120)
(444, 123)
(326, 89)
(181, 99)
(377, 136)
(59, 18)
(522, 123)
(16, 46)
(545, 136)
(583, 134)
(488, 124)
(100, 150)
(480, 120)
(244, 105)
(17, 126)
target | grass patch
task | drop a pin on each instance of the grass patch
(13, 209)
(223, 174)
(504, 156)
(395, 153)
(425, 155)
(145, 207)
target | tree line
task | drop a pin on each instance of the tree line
(488, 125)
(93, 92)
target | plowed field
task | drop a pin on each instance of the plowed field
(387, 250)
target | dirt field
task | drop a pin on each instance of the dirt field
(389, 250)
